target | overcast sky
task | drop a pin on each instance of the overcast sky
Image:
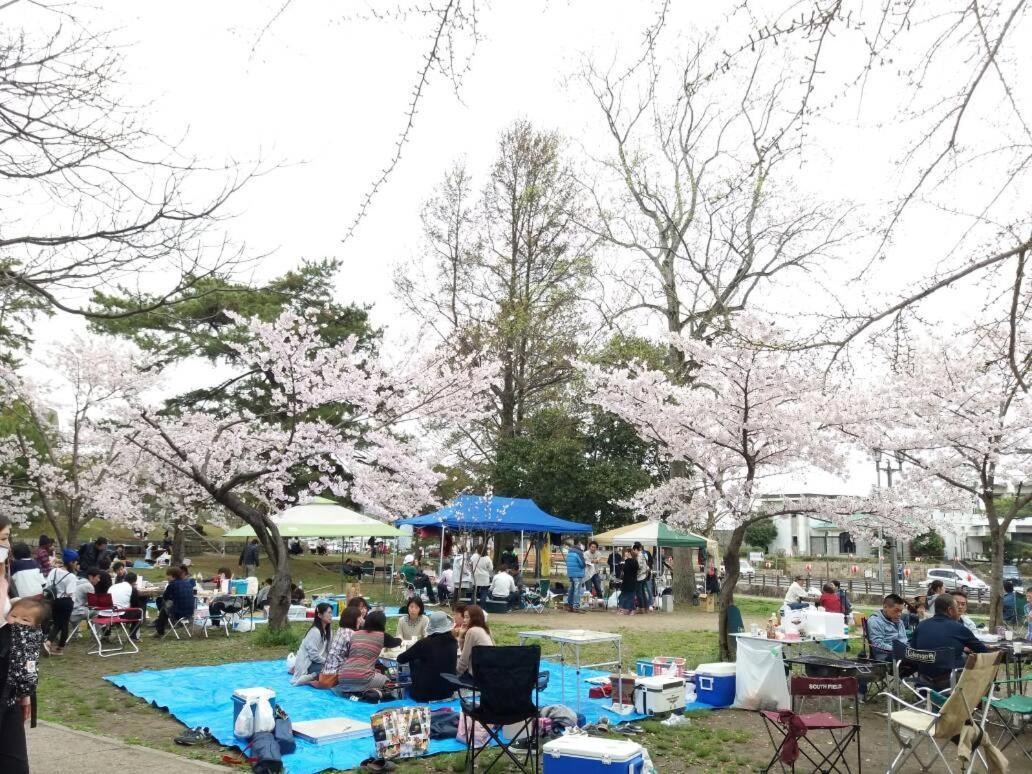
(323, 95)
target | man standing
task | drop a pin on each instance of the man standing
(90, 555)
(1010, 615)
(592, 573)
(575, 572)
(885, 626)
(847, 608)
(644, 577)
(249, 558)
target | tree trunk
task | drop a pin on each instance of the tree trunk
(998, 543)
(684, 576)
(178, 541)
(727, 591)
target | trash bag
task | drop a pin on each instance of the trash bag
(291, 658)
(760, 682)
(264, 720)
(244, 725)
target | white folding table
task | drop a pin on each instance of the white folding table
(572, 640)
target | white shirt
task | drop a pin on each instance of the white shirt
(503, 585)
(27, 583)
(795, 595)
(590, 570)
(62, 582)
(121, 594)
(448, 579)
(482, 569)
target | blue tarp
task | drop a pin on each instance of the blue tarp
(495, 514)
(201, 696)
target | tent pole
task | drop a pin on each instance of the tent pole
(440, 559)
(521, 552)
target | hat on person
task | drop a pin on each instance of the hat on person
(408, 558)
(439, 623)
(45, 540)
(69, 555)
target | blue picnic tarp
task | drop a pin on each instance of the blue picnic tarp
(202, 696)
(495, 514)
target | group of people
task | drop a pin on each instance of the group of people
(349, 660)
(476, 571)
(637, 584)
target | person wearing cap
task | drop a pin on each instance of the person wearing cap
(61, 583)
(429, 658)
(44, 554)
(416, 578)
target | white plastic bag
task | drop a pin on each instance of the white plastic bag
(760, 682)
(244, 625)
(614, 599)
(291, 658)
(244, 726)
(264, 720)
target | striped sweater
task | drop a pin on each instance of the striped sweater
(362, 657)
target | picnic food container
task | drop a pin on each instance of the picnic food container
(715, 683)
(577, 754)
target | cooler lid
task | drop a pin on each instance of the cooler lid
(254, 693)
(592, 747)
(717, 669)
(660, 682)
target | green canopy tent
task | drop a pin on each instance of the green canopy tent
(321, 517)
(658, 534)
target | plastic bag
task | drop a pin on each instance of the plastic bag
(244, 625)
(760, 682)
(264, 720)
(244, 725)
(291, 658)
(614, 599)
(467, 726)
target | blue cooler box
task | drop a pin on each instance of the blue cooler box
(715, 684)
(241, 695)
(591, 755)
(644, 667)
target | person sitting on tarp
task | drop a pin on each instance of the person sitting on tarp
(358, 674)
(429, 658)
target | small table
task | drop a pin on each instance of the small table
(574, 639)
(1014, 660)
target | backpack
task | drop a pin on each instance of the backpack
(50, 589)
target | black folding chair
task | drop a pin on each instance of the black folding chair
(925, 669)
(503, 691)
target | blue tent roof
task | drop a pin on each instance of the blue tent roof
(495, 514)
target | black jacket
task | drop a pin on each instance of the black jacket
(629, 575)
(942, 632)
(430, 657)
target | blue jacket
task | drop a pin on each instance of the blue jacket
(1009, 613)
(574, 563)
(882, 632)
(943, 632)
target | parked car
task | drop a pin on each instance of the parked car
(1010, 573)
(954, 579)
(745, 570)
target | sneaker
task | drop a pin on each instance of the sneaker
(198, 735)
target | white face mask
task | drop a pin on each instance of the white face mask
(4, 551)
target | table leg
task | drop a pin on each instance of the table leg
(562, 669)
(619, 670)
(576, 652)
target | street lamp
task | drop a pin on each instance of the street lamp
(889, 463)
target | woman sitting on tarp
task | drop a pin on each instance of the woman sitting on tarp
(358, 673)
(311, 655)
(351, 620)
(428, 658)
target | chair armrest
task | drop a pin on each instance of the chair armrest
(542, 682)
(916, 708)
(458, 682)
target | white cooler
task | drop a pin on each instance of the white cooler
(591, 755)
(653, 695)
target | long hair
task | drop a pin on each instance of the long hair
(318, 623)
(477, 618)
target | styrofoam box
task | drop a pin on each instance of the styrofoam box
(591, 755)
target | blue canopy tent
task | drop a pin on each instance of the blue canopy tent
(494, 514)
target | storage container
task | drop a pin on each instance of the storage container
(643, 667)
(623, 688)
(715, 684)
(242, 695)
(668, 665)
(662, 693)
(238, 586)
(252, 586)
(591, 755)
(331, 601)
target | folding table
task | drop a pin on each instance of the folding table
(572, 640)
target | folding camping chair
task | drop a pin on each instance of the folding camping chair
(185, 623)
(922, 667)
(104, 619)
(795, 727)
(956, 719)
(504, 692)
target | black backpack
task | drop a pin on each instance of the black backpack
(50, 589)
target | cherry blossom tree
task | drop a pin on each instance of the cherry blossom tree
(956, 413)
(61, 458)
(379, 453)
(749, 412)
